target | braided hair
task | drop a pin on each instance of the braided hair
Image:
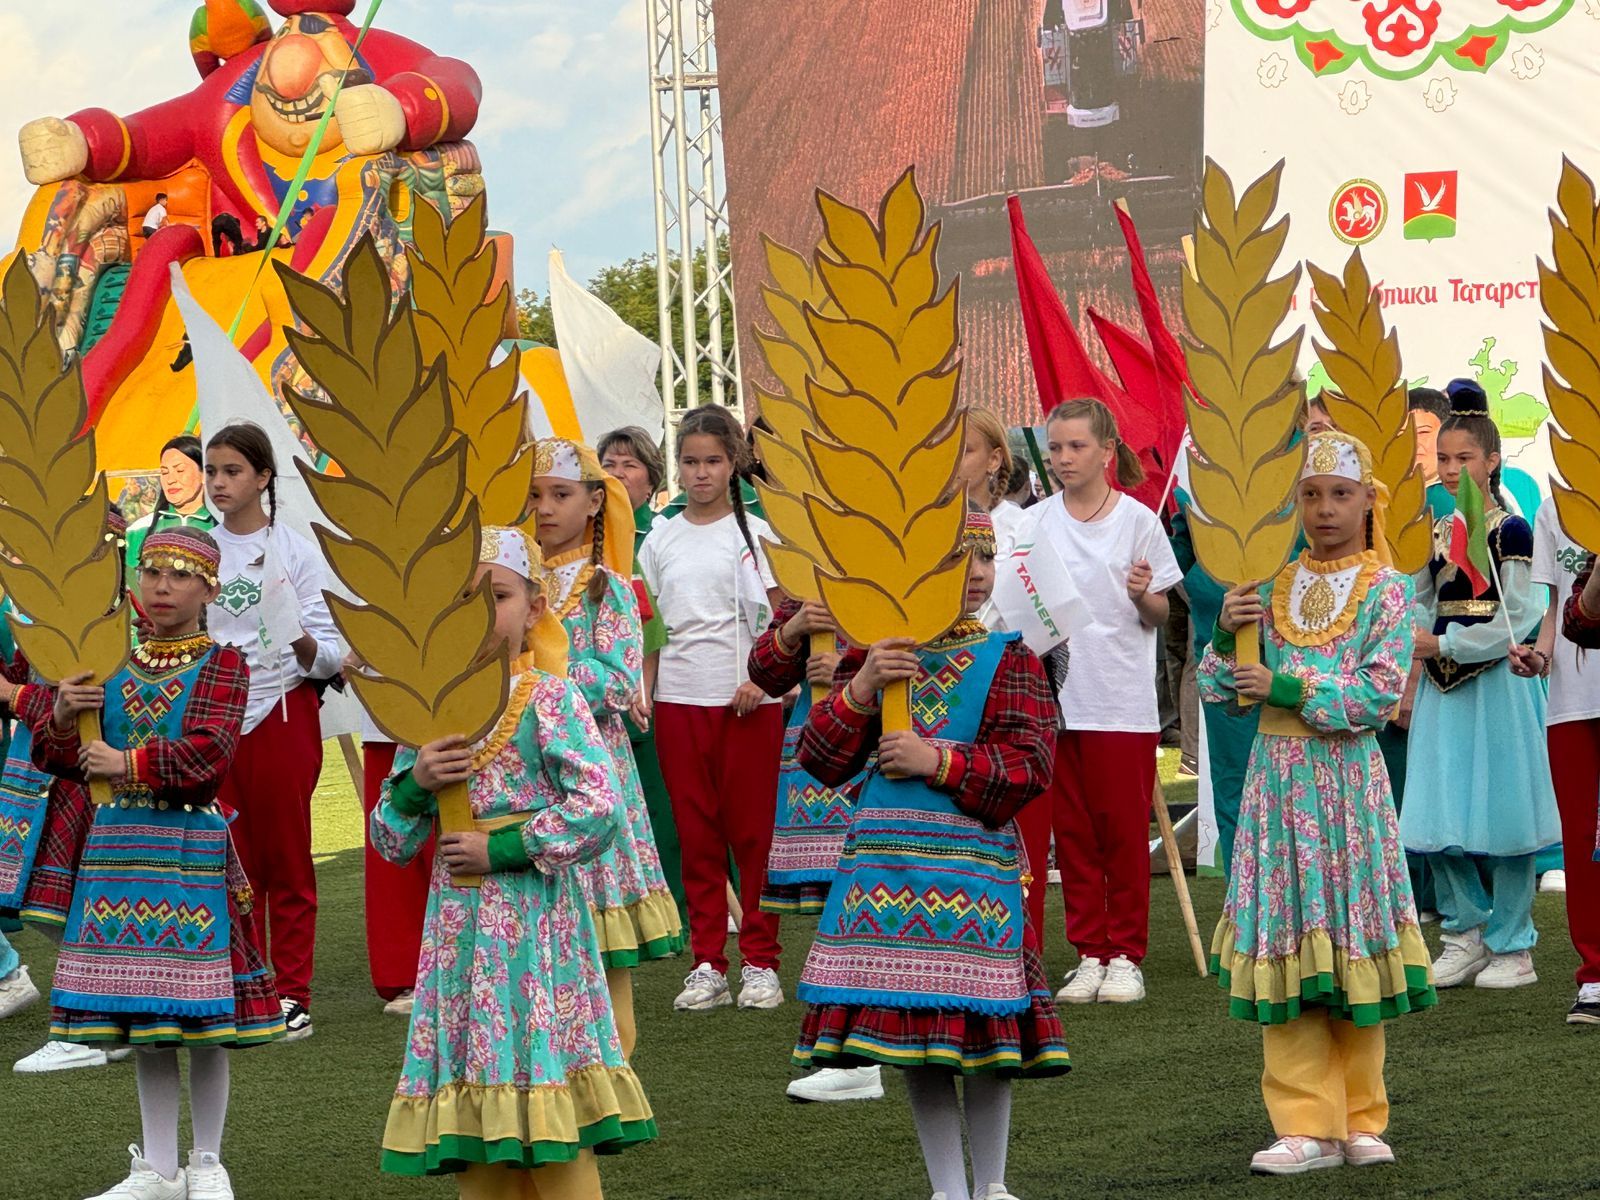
(597, 581)
(253, 445)
(1482, 430)
(715, 421)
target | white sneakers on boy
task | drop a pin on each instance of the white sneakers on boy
(207, 1178)
(704, 988)
(833, 1084)
(68, 1056)
(760, 987)
(144, 1183)
(1295, 1155)
(1507, 971)
(1124, 982)
(17, 992)
(1462, 956)
(1082, 984)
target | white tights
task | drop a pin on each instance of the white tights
(937, 1113)
(158, 1103)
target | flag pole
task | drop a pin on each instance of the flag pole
(1494, 571)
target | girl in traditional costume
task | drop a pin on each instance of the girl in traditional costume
(159, 951)
(514, 1075)
(1318, 941)
(1478, 797)
(585, 531)
(893, 982)
(271, 574)
(718, 734)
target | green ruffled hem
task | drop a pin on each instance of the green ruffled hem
(663, 947)
(1320, 991)
(793, 908)
(456, 1152)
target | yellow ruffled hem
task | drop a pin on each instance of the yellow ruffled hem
(1365, 990)
(649, 922)
(504, 1112)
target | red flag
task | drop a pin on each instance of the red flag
(1132, 360)
(1172, 370)
(1062, 367)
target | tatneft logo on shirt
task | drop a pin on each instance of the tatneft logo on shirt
(238, 595)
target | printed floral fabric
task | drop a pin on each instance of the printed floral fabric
(635, 915)
(1319, 907)
(513, 1054)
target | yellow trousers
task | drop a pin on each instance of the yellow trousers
(1324, 1078)
(619, 982)
(576, 1180)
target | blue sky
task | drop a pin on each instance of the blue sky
(564, 130)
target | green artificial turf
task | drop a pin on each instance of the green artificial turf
(1493, 1095)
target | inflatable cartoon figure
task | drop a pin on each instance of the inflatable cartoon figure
(231, 148)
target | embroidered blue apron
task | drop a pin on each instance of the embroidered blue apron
(926, 910)
(24, 797)
(149, 928)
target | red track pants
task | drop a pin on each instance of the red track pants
(722, 774)
(269, 786)
(397, 897)
(1098, 807)
(1575, 771)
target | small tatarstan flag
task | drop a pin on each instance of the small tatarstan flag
(1469, 536)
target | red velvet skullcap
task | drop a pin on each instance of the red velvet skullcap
(293, 8)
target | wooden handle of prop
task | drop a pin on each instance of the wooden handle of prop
(455, 816)
(819, 643)
(89, 731)
(897, 712)
(1247, 651)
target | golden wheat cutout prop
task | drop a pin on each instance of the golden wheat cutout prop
(1244, 481)
(1363, 361)
(888, 441)
(460, 323)
(1570, 293)
(407, 531)
(53, 506)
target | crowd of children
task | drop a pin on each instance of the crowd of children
(688, 751)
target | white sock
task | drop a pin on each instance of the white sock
(937, 1114)
(987, 1101)
(208, 1097)
(157, 1072)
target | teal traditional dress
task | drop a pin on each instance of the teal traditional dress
(1319, 909)
(923, 956)
(635, 916)
(513, 1055)
(159, 948)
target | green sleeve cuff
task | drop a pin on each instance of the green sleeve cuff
(507, 851)
(1222, 641)
(410, 797)
(1286, 691)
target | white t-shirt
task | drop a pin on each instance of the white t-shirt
(1111, 676)
(1007, 517)
(235, 618)
(1574, 676)
(155, 216)
(713, 598)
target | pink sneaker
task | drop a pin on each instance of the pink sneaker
(1295, 1155)
(1367, 1150)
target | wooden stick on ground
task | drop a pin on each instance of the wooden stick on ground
(352, 762)
(735, 909)
(1169, 840)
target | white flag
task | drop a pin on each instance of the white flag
(612, 368)
(1034, 595)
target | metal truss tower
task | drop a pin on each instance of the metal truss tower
(691, 213)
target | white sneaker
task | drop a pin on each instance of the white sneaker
(401, 1005)
(67, 1056)
(759, 988)
(1586, 1009)
(1426, 916)
(704, 988)
(1508, 971)
(1124, 982)
(1296, 1155)
(834, 1084)
(1553, 881)
(993, 1191)
(143, 1183)
(207, 1178)
(1460, 959)
(16, 992)
(296, 1020)
(1082, 984)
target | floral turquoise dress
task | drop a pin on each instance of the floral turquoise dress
(513, 1055)
(635, 916)
(1319, 909)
